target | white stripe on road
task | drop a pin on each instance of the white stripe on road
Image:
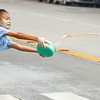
(63, 96)
(50, 17)
(39, 15)
(62, 19)
(8, 97)
(87, 24)
(66, 20)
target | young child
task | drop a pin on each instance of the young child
(7, 43)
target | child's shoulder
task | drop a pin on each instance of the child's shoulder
(3, 30)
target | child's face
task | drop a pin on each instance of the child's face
(5, 20)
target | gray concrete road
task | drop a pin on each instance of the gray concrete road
(26, 75)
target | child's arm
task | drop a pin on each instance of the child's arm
(25, 36)
(24, 48)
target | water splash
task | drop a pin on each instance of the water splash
(75, 34)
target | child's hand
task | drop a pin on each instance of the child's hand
(41, 41)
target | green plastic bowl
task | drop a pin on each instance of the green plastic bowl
(48, 51)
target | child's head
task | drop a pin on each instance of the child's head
(4, 19)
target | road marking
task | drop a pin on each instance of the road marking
(39, 15)
(50, 17)
(62, 19)
(63, 96)
(66, 51)
(66, 20)
(87, 24)
(8, 97)
(79, 55)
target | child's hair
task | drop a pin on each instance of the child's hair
(2, 10)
